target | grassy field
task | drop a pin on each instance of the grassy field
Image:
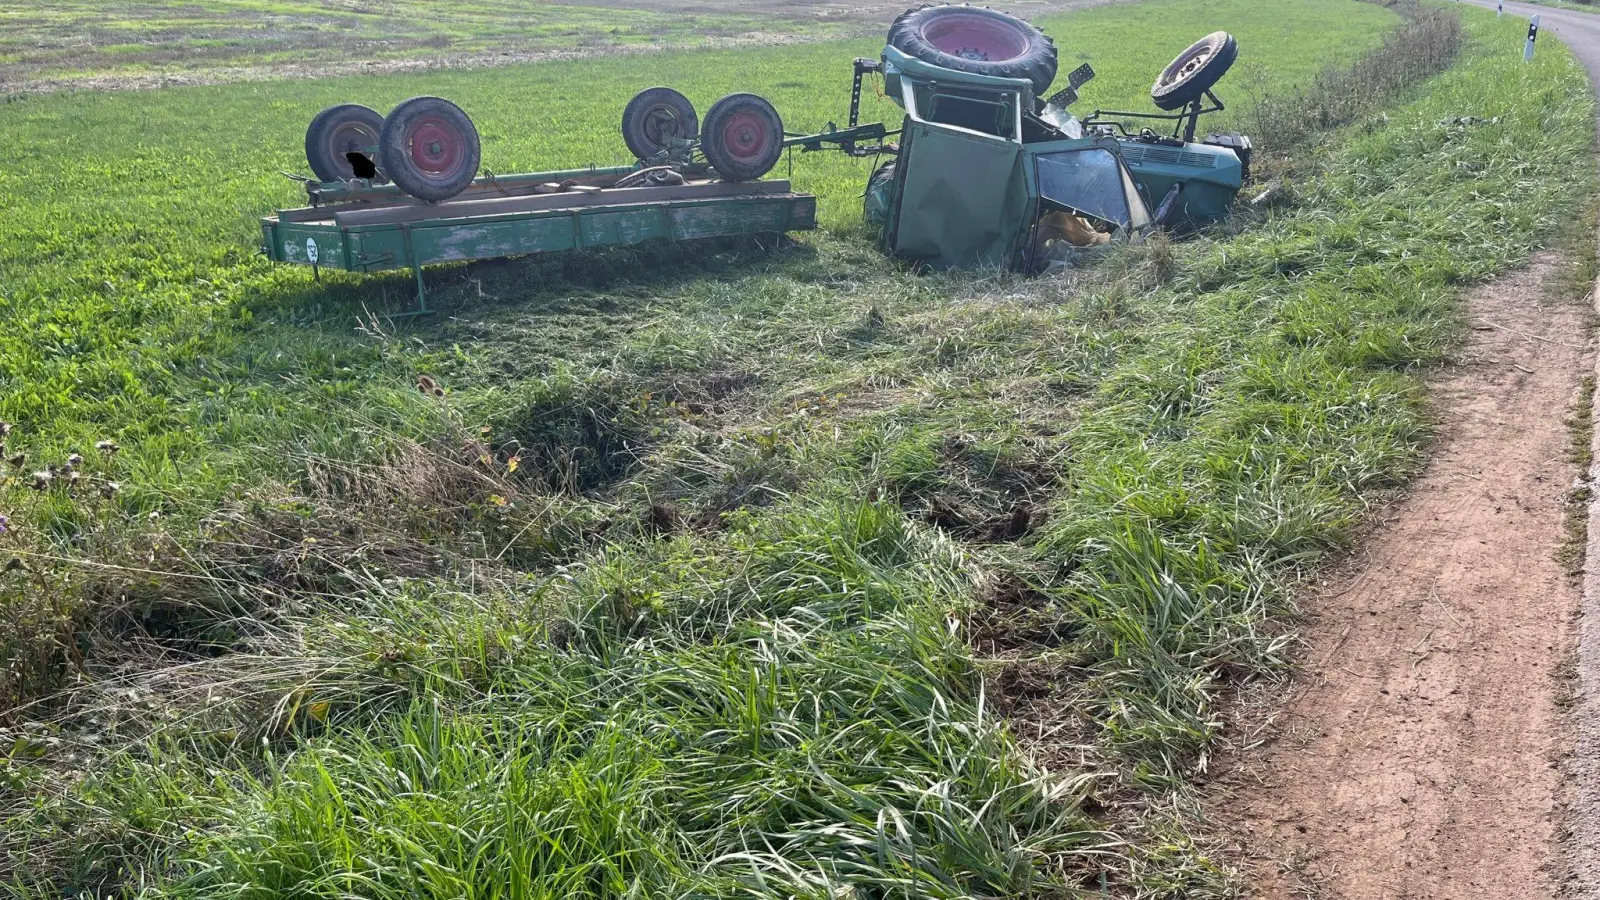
(67, 43)
(730, 571)
(133, 217)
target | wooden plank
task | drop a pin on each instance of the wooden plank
(716, 220)
(306, 214)
(607, 226)
(545, 202)
(316, 245)
(388, 246)
(327, 211)
(516, 184)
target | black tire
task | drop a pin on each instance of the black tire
(875, 201)
(338, 131)
(1186, 79)
(429, 148)
(978, 40)
(742, 137)
(654, 118)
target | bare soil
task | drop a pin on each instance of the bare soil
(1420, 753)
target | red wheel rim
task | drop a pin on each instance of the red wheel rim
(746, 135)
(436, 148)
(974, 36)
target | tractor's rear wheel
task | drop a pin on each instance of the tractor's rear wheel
(655, 118)
(742, 137)
(341, 142)
(875, 202)
(1195, 70)
(429, 148)
(978, 40)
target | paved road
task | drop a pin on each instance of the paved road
(1581, 32)
(1578, 30)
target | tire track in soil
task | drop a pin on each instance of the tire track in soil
(1419, 752)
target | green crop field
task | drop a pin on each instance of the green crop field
(729, 570)
(89, 42)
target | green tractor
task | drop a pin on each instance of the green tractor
(988, 171)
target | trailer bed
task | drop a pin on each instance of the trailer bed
(523, 216)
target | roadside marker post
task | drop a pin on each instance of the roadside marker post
(1533, 34)
(1499, 10)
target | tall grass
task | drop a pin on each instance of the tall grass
(814, 577)
(1423, 47)
(133, 308)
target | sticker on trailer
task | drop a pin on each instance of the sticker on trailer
(311, 250)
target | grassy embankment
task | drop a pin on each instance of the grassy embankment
(741, 572)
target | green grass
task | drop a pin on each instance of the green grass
(68, 43)
(812, 576)
(134, 216)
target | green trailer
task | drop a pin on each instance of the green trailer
(360, 227)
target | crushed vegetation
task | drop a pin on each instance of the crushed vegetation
(826, 578)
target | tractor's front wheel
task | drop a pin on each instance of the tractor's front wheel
(742, 137)
(1195, 70)
(429, 148)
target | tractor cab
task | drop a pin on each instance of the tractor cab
(988, 175)
(992, 173)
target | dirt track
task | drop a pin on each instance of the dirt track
(1441, 741)
(1419, 755)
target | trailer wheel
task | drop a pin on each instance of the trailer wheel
(978, 40)
(742, 137)
(1186, 79)
(429, 148)
(341, 142)
(656, 117)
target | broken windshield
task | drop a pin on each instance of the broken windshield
(1092, 183)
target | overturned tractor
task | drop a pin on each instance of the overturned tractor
(987, 171)
(990, 171)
